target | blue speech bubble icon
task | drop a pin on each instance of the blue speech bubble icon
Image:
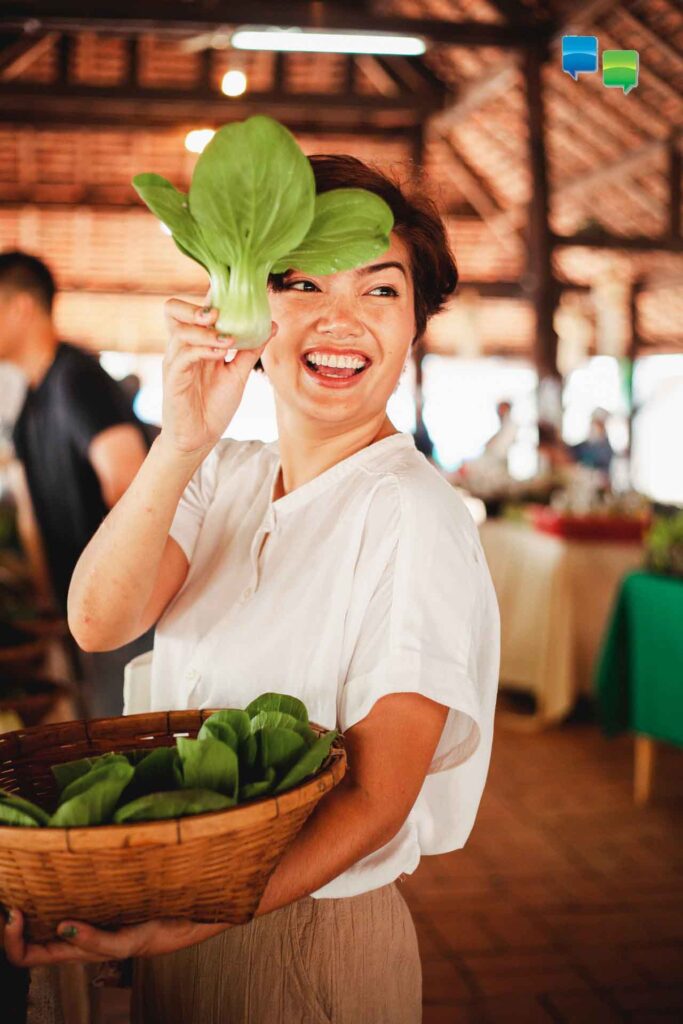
(579, 55)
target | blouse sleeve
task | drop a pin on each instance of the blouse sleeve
(193, 504)
(421, 628)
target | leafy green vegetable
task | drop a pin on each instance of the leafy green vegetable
(281, 720)
(309, 763)
(260, 787)
(280, 749)
(209, 764)
(159, 770)
(91, 799)
(230, 726)
(70, 770)
(179, 802)
(278, 702)
(350, 227)
(252, 209)
(14, 810)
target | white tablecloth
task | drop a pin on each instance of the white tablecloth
(555, 598)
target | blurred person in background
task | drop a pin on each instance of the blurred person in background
(595, 452)
(498, 446)
(79, 446)
(553, 454)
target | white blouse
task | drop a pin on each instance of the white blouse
(365, 581)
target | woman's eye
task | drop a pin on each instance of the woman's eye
(384, 290)
(301, 286)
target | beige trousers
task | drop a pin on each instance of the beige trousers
(344, 961)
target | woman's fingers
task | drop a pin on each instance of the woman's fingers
(188, 313)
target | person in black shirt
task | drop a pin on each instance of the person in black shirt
(79, 443)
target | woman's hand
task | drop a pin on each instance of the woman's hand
(201, 391)
(82, 943)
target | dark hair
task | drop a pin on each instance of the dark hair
(20, 272)
(416, 221)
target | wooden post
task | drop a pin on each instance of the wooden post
(674, 188)
(644, 759)
(541, 284)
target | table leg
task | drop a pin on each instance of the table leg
(644, 758)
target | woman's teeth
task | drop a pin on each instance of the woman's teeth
(347, 362)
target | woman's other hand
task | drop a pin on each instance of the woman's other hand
(82, 943)
(201, 391)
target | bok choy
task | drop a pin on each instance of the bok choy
(252, 210)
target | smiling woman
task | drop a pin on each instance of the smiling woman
(335, 565)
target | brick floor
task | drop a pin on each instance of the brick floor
(566, 906)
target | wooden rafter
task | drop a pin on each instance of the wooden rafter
(172, 17)
(636, 23)
(16, 55)
(631, 243)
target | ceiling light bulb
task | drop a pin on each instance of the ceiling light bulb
(234, 82)
(197, 140)
(314, 41)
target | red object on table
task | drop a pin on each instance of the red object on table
(588, 527)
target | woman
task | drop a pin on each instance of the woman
(336, 565)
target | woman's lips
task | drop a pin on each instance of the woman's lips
(332, 382)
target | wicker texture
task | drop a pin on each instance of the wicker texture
(206, 867)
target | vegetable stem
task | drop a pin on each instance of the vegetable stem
(243, 307)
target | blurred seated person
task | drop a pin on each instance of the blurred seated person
(78, 445)
(554, 456)
(498, 446)
(595, 452)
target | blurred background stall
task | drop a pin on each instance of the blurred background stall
(550, 393)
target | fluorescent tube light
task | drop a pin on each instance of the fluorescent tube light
(314, 41)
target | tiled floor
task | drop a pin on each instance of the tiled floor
(566, 905)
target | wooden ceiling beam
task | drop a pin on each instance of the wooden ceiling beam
(493, 81)
(121, 106)
(18, 54)
(631, 243)
(636, 24)
(174, 17)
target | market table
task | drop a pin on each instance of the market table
(639, 676)
(555, 597)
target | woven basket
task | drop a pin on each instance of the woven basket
(206, 867)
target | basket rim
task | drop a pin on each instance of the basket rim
(168, 831)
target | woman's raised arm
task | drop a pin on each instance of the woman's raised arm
(130, 570)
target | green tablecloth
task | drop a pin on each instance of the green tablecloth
(639, 677)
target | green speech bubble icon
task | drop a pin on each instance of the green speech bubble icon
(620, 69)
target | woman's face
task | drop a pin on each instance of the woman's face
(367, 312)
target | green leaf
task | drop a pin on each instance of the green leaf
(252, 192)
(209, 764)
(281, 720)
(14, 810)
(237, 723)
(176, 804)
(173, 209)
(278, 702)
(280, 749)
(351, 226)
(260, 787)
(159, 770)
(91, 799)
(69, 771)
(97, 771)
(309, 763)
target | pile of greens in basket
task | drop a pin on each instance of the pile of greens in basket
(252, 210)
(237, 756)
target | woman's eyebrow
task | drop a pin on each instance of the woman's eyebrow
(382, 266)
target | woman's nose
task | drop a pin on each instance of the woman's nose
(340, 320)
